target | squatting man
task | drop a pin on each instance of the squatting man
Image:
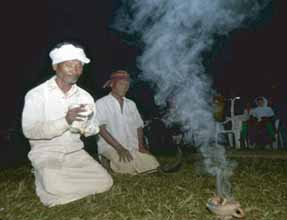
(53, 111)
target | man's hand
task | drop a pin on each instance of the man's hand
(73, 114)
(124, 154)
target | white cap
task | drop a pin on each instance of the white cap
(68, 52)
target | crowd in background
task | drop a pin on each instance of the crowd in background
(262, 120)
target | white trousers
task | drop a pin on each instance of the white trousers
(63, 178)
(141, 163)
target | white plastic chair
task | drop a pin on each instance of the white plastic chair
(233, 133)
(236, 123)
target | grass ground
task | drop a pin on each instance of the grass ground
(259, 183)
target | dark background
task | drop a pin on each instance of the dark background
(247, 63)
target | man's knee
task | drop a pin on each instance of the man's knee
(106, 183)
(50, 181)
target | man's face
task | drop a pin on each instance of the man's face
(260, 103)
(69, 71)
(120, 87)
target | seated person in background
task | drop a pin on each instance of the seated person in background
(121, 139)
(280, 115)
(246, 122)
(262, 132)
(218, 108)
(247, 111)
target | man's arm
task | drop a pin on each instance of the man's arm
(124, 154)
(33, 120)
(46, 130)
(138, 122)
(92, 127)
(140, 134)
(36, 127)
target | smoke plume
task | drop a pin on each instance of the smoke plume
(175, 34)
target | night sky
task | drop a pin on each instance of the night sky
(248, 62)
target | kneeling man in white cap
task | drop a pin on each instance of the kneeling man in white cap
(56, 113)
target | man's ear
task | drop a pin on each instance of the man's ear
(112, 84)
(55, 66)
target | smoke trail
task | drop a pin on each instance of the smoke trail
(175, 34)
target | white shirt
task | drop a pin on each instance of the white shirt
(121, 124)
(43, 117)
(262, 111)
